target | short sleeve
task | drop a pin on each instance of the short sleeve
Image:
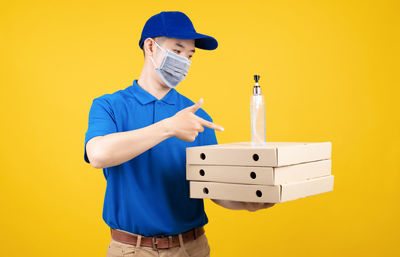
(101, 121)
(208, 136)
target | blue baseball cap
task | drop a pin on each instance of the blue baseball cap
(175, 25)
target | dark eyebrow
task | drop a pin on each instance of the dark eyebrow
(179, 44)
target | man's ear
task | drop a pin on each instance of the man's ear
(148, 46)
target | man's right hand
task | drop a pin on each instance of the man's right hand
(186, 125)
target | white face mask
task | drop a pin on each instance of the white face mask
(173, 68)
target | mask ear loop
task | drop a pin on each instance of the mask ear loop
(151, 58)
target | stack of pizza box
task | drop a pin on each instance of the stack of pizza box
(274, 172)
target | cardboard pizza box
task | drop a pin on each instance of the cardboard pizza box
(258, 175)
(261, 193)
(272, 154)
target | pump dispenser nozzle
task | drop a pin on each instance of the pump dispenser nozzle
(256, 78)
(257, 88)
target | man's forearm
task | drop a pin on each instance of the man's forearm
(117, 148)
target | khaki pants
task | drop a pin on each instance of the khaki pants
(195, 248)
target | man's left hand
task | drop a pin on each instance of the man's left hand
(251, 206)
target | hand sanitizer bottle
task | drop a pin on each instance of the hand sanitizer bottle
(257, 112)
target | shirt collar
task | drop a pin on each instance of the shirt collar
(145, 97)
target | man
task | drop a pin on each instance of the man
(139, 135)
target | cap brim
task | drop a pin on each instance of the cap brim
(206, 43)
(201, 41)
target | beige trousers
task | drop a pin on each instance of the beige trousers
(195, 248)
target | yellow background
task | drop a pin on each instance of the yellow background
(329, 72)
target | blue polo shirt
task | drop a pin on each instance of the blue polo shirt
(149, 194)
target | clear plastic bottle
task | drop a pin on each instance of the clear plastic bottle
(257, 112)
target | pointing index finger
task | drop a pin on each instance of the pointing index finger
(209, 124)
